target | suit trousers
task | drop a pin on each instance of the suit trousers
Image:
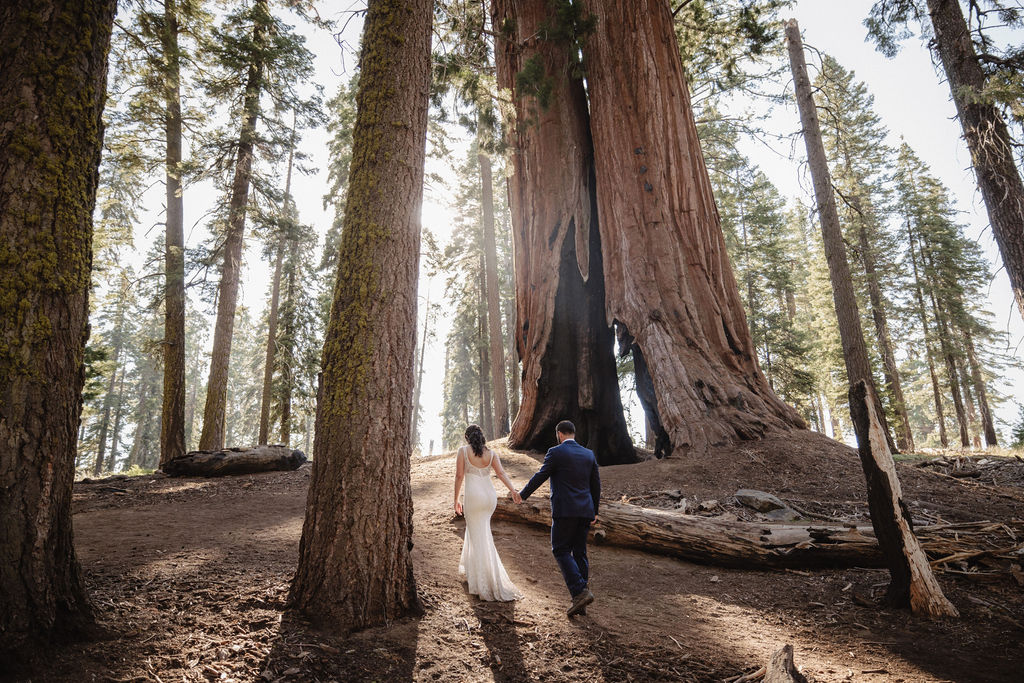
(569, 546)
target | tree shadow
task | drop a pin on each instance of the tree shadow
(302, 651)
(502, 640)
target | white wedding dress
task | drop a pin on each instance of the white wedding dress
(480, 564)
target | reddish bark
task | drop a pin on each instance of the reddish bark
(565, 344)
(667, 274)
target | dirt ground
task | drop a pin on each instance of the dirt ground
(190, 576)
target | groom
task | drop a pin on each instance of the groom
(575, 492)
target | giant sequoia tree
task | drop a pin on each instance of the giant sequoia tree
(355, 567)
(667, 275)
(566, 347)
(54, 65)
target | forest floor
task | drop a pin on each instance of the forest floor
(190, 577)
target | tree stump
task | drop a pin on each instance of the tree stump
(781, 668)
(232, 461)
(912, 582)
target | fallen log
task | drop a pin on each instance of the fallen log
(707, 540)
(233, 461)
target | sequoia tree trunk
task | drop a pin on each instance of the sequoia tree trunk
(666, 270)
(987, 138)
(214, 414)
(355, 566)
(54, 66)
(851, 333)
(562, 337)
(499, 394)
(172, 423)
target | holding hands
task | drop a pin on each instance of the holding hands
(516, 498)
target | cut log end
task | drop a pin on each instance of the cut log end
(234, 461)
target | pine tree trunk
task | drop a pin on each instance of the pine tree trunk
(987, 138)
(972, 417)
(419, 375)
(563, 338)
(494, 335)
(668, 277)
(214, 414)
(483, 377)
(268, 363)
(172, 423)
(355, 567)
(847, 312)
(946, 347)
(108, 401)
(190, 414)
(922, 313)
(275, 297)
(904, 437)
(54, 66)
(288, 352)
(115, 438)
(979, 389)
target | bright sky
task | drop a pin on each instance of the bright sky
(910, 98)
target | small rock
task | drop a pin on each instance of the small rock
(782, 515)
(759, 500)
(708, 505)
(714, 579)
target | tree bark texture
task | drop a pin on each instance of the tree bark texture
(53, 57)
(987, 138)
(355, 568)
(172, 423)
(913, 584)
(499, 394)
(847, 312)
(562, 337)
(235, 461)
(214, 414)
(484, 376)
(667, 273)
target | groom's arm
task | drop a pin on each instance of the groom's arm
(542, 476)
(595, 486)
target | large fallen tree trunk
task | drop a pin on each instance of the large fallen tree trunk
(749, 545)
(710, 541)
(232, 461)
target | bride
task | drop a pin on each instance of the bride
(480, 564)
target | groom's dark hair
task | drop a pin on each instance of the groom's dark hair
(566, 427)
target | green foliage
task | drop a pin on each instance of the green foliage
(1017, 436)
(994, 26)
(533, 80)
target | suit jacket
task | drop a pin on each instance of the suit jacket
(575, 483)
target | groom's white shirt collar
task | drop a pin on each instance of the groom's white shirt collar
(564, 440)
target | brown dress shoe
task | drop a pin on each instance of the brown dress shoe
(580, 602)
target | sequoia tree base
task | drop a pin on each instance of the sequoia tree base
(231, 461)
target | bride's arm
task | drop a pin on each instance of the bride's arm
(460, 474)
(500, 472)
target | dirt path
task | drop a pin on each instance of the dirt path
(190, 578)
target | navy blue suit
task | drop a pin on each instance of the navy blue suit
(575, 495)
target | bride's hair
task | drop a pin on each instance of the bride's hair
(475, 437)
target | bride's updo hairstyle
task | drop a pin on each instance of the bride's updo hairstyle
(475, 437)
